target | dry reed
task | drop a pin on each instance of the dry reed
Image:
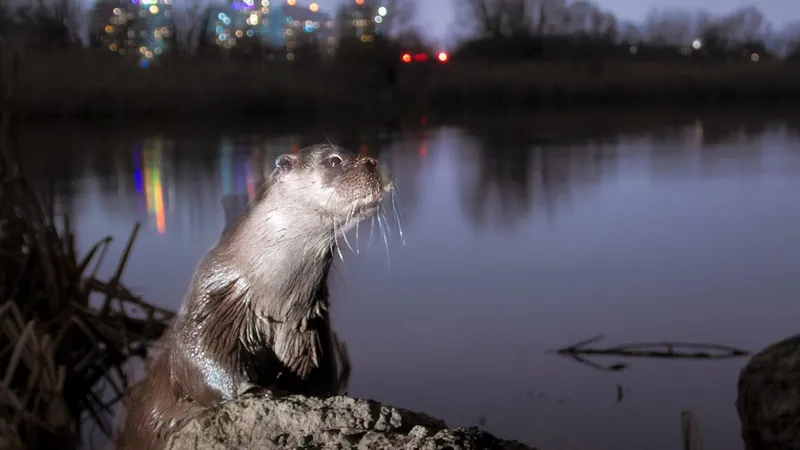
(58, 353)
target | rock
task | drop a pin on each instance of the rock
(768, 400)
(294, 421)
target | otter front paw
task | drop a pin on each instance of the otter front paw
(248, 387)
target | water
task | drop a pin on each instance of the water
(522, 236)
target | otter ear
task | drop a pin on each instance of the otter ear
(286, 161)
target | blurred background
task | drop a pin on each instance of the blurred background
(565, 169)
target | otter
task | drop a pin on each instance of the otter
(255, 316)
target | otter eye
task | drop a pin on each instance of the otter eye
(333, 160)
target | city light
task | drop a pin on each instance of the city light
(359, 2)
(282, 24)
(153, 9)
(154, 191)
(442, 56)
(406, 58)
(382, 11)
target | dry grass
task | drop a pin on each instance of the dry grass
(58, 352)
(86, 84)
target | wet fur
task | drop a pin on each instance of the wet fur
(257, 310)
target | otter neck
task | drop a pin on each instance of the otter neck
(290, 250)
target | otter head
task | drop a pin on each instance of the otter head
(341, 187)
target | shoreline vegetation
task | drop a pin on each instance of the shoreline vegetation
(65, 335)
(89, 85)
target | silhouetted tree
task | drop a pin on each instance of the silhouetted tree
(206, 47)
(189, 22)
(47, 24)
(400, 17)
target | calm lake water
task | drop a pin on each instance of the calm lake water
(522, 235)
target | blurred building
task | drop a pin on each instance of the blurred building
(279, 24)
(362, 19)
(132, 27)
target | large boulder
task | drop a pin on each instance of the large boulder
(768, 398)
(291, 422)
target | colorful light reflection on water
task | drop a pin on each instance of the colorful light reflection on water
(151, 163)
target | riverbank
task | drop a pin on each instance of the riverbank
(92, 86)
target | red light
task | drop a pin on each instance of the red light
(420, 57)
(442, 57)
(406, 57)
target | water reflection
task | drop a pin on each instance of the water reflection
(168, 182)
(523, 233)
(520, 169)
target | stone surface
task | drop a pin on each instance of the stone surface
(768, 399)
(294, 422)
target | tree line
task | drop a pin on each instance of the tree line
(513, 23)
(491, 29)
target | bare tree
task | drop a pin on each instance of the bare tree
(669, 27)
(400, 17)
(630, 33)
(495, 18)
(787, 40)
(482, 15)
(746, 24)
(188, 17)
(553, 16)
(49, 23)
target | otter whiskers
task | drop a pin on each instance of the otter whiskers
(398, 216)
